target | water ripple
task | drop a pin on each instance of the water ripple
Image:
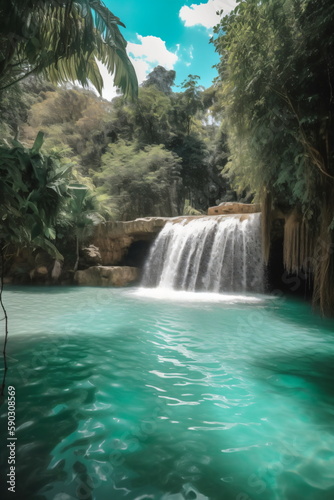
(144, 399)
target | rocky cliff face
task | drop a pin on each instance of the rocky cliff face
(114, 239)
(33, 267)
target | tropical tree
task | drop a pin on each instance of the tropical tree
(142, 182)
(178, 121)
(82, 214)
(72, 119)
(15, 105)
(188, 102)
(63, 41)
(33, 187)
(151, 116)
(161, 78)
(277, 79)
(194, 172)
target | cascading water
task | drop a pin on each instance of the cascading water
(212, 254)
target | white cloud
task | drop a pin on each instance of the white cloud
(151, 51)
(205, 13)
(188, 55)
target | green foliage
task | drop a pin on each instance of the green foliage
(151, 116)
(189, 210)
(189, 102)
(62, 41)
(194, 170)
(143, 182)
(161, 78)
(82, 214)
(276, 74)
(15, 103)
(277, 80)
(78, 126)
(178, 121)
(32, 189)
(72, 120)
(83, 210)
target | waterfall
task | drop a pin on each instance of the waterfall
(213, 254)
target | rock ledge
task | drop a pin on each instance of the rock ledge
(107, 276)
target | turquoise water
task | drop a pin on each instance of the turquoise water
(126, 395)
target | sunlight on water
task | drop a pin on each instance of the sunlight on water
(182, 296)
(189, 397)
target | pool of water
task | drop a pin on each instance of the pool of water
(131, 394)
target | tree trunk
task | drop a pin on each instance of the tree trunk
(77, 255)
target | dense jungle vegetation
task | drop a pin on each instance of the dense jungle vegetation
(142, 157)
(276, 85)
(264, 130)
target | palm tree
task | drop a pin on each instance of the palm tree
(83, 215)
(63, 40)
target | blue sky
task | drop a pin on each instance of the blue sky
(172, 33)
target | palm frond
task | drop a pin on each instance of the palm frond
(63, 40)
